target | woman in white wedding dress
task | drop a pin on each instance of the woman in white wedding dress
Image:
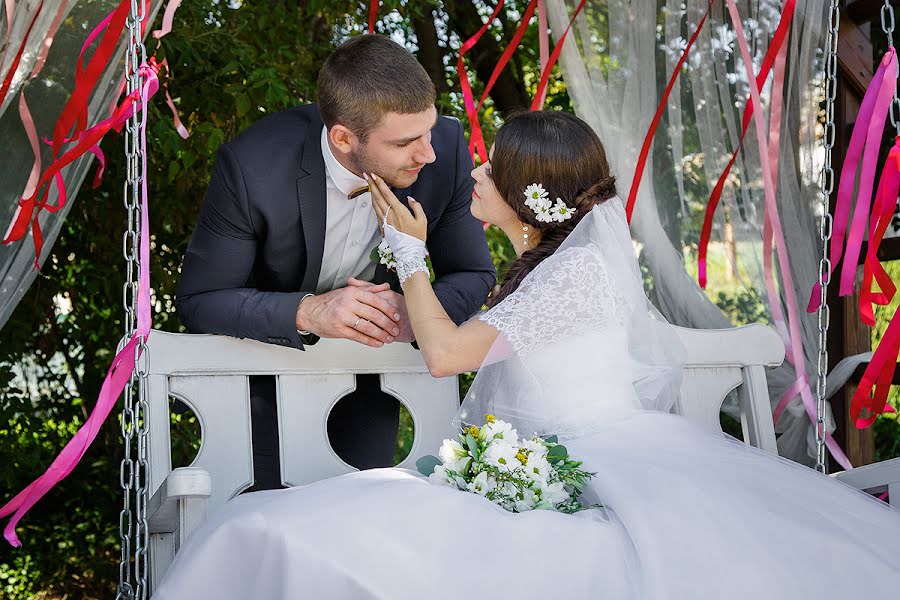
(569, 346)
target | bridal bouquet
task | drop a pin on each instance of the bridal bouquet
(517, 474)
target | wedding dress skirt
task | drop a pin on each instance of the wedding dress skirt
(688, 515)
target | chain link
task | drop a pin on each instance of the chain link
(824, 313)
(133, 530)
(887, 25)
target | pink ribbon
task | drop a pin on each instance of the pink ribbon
(876, 99)
(31, 132)
(538, 102)
(543, 40)
(771, 206)
(122, 366)
(176, 119)
(166, 28)
(168, 17)
(874, 132)
(48, 40)
(789, 395)
(768, 234)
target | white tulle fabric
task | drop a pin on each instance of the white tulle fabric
(588, 294)
(688, 515)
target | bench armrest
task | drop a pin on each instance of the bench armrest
(179, 505)
(876, 478)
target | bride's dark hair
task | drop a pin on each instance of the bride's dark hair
(563, 154)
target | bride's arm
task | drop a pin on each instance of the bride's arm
(448, 349)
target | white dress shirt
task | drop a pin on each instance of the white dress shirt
(351, 226)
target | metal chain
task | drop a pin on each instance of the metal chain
(824, 312)
(887, 25)
(133, 531)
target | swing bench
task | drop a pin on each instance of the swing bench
(211, 373)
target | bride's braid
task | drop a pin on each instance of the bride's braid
(552, 235)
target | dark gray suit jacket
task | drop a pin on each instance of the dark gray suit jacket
(257, 247)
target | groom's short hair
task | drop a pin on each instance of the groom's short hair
(367, 77)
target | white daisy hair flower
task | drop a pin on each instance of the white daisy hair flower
(561, 211)
(545, 211)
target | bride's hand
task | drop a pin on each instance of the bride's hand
(413, 223)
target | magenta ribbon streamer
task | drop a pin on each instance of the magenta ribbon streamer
(872, 100)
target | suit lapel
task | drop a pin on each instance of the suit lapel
(313, 199)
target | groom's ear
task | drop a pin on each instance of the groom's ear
(342, 138)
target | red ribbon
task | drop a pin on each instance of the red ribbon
(373, 15)
(878, 375)
(7, 81)
(882, 214)
(476, 137)
(86, 81)
(648, 139)
(501, 64)
(29, 208)
(778, 39)
(880, 372)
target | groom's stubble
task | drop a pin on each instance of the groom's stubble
(366, 162)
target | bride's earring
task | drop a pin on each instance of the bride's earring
(525, 236)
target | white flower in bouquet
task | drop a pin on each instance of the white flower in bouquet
(537, 467)
(461, 465)
(500, 429)
(517, 475)
(451, 451)
(502, 455)
(527, 502)
(534, 446)
(441, 477)
(482, 484)
(554, 493)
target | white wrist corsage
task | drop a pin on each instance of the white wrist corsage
(384, 255)
(537, 199)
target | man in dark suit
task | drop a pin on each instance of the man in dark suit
(281, 249)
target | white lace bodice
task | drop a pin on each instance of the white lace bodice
(567, 293)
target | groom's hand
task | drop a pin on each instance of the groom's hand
(397, 301)
(353, 313)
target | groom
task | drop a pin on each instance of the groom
(281, 250)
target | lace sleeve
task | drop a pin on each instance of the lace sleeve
(566, 294)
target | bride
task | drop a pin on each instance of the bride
(569, 346)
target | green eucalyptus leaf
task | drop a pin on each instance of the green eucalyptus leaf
(426, 464)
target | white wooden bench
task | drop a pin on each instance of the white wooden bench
(211, 375)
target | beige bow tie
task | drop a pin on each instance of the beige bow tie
(357, 192)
